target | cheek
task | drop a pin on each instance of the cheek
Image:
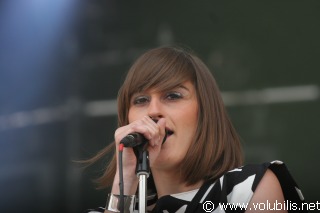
(130, 116)
(190, 118)
(187, 139)
(190, 124)
(133, 115)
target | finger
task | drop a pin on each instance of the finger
(158, 128)
(154, 131)
(130, 128)
(162, 125)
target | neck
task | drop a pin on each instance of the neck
(171, 183)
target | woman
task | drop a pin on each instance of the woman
(198, 164)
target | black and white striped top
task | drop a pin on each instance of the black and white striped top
(231, 193)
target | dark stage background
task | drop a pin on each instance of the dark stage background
(62, 62)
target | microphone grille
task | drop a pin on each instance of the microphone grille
(126, 141)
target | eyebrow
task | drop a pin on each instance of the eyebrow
(182, 87)
(178, 86)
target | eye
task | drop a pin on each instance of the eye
(141, 100)
(173, 95)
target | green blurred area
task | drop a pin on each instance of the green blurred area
(253, 48)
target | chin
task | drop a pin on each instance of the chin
(165, 163)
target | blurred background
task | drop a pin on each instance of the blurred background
(62, 63)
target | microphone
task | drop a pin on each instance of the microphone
(133, 140)
(137, 139)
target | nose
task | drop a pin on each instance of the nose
(155, 109)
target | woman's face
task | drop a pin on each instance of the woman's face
(179, 107)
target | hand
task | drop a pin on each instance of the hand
(154, 133)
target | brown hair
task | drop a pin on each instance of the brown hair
(216, 146)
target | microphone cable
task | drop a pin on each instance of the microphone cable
(121, 178)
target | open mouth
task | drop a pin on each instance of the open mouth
(168, 134)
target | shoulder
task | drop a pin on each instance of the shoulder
(268, 191)
(253, 180)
